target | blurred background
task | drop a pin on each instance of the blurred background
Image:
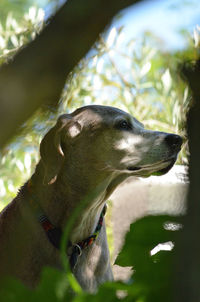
(133, 66)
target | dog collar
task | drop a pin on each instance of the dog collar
(75, 250)
(54, 234)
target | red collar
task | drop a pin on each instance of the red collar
(54, 234)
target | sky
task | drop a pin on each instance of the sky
(163, 17)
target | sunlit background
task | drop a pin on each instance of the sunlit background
(133, 66)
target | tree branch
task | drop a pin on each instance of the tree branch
(38, 73)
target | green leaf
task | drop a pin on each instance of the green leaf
(144, 235)
(53, 286)
(151, 272)
(12, 290)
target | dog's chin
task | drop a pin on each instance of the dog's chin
(164, 170)
(156, 169)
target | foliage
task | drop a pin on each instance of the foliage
(53, 287)
(139, 78)
(151, 281)
(15, 34)
(20, 7)
(8, 5)
(147, 249)
(21, 155)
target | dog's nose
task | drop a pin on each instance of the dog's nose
(174, 141)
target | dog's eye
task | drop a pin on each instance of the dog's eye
(124, 125)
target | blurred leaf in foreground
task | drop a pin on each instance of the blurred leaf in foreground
(148, 248)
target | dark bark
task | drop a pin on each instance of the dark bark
(187, 274)
(38, 72)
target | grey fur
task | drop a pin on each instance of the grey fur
(85, 154)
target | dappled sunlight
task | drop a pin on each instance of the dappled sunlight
(167, 246)
(53, 66)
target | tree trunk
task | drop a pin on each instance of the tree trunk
(187, 274)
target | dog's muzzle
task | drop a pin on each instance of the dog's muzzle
(174, 143)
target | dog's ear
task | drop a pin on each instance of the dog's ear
(52, 154)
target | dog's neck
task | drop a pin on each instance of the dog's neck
(59, 199)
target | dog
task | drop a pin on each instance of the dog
(85, 156)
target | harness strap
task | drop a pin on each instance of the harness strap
(54, 234)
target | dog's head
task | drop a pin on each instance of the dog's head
(107, 139)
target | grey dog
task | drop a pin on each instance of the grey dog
(87, 153)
